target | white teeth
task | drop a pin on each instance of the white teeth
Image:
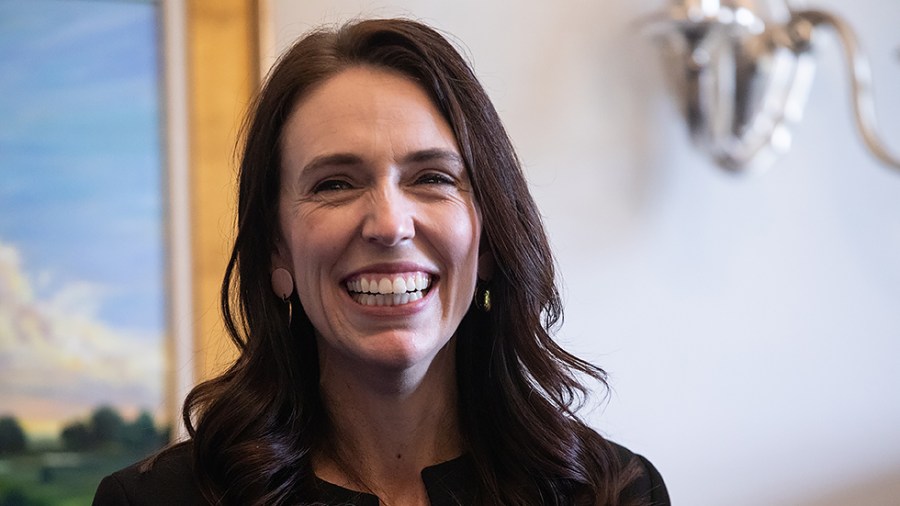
(389, 291)
(400, 284)
(379, 299)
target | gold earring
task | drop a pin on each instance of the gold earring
(283, 286)
(483, 300)
(290, 310)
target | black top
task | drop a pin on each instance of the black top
(171, 481)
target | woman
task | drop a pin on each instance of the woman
(391, 292)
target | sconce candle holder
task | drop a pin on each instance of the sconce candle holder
(742, 71)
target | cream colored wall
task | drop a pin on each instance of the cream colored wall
(750, 325)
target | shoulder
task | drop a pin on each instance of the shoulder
(167, 478)
(648, 484)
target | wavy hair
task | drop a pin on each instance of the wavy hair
(254, 427)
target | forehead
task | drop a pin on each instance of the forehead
(364, 110)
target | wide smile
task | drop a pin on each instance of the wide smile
(394, 289)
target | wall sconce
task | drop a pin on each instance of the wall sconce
(742, 70)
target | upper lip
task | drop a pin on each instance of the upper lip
(390, 268)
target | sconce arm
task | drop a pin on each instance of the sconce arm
(803, 23)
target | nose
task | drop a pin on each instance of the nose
(389, 220)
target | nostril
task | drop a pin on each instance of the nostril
(388, 230)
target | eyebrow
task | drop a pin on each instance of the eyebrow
(336, 159)
(427, 155)
(349, 159)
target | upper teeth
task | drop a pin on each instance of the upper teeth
(392, 284)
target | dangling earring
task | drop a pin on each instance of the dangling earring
(283, 286)
(485, 273)
(483, 299)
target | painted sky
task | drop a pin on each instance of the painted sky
(81, 206)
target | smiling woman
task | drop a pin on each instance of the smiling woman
(392, 294)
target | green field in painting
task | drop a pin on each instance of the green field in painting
(58, 479)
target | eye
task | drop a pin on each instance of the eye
(330, 185)
(435, 178)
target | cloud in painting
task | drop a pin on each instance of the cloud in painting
(81, 167)
(58, 360)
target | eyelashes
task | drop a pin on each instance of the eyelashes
(436, 178)
(334, 185)
(331, 185)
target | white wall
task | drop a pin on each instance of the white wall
(751, 325)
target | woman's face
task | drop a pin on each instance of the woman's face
(378, 221)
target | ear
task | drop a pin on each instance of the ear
(280, 257)
(485, 260)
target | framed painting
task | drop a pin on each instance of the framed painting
(86, 349)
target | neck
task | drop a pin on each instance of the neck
(387, 426)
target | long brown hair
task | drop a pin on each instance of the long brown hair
(254, 426)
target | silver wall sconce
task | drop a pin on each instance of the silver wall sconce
(742, 69)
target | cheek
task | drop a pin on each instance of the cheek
(318, 234)
(462, 236)
(314, 245)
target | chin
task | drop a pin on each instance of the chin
(398, 351)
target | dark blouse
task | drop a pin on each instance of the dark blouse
(171, 481)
